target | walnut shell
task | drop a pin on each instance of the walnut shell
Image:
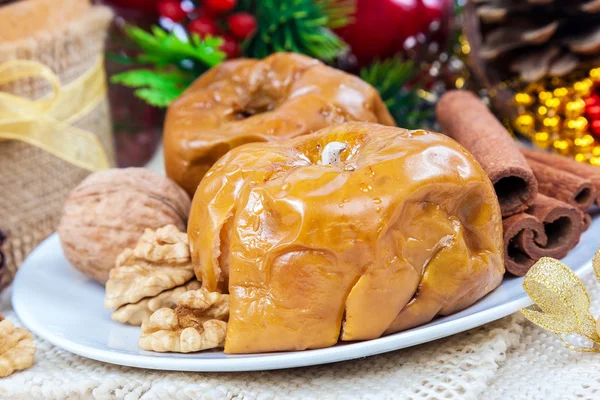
(108, 212)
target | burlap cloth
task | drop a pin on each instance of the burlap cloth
(507, 359)
(33, 183)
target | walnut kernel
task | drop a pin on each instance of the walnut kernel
(16, 348)
(137, 313)
(160, 261)
(197, 323)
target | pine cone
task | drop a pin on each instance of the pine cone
(533, 39)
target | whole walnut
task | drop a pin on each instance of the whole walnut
(109, 212)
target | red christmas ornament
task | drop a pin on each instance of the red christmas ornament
(593, 112)
(203, 26)
(593, 100)
(595, 127)
(230, 46)
(220, 6)
(241, 24)
(382, 27)
(172, 10)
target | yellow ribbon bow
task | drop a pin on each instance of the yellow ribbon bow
(47, 122)
(562, 301)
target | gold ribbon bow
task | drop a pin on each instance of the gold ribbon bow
(47, 122)
(562, 301)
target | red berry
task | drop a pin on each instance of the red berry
(230, 47)
(172, 10)
(203, 26)
(241, 24)
(220, 6)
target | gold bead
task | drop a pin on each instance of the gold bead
(563, 146)
(464, 45)
(581, 157)
(583, 87)
(584, 144)
(595, 161)
(523, 99)
(525, 123)
(544, 95)
(596, 151)
(595, 74)
(560, 92)
(551, 123)
(542, 111)
(542, 140)
(568, 133)
(578, 125)
(552, 103)
(574, 108)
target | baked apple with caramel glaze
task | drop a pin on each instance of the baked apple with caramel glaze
(245, 100)
(345, 234)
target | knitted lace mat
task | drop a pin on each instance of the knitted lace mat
(507, 359)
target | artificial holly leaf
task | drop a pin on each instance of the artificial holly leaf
(162, 48)
(158, 88)
(121, 59)
(157, 97)
(151, 78)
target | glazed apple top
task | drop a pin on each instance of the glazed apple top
(244, 100)
(350, 232)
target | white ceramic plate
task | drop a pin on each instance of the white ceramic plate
(64, 307)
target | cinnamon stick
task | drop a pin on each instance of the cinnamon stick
(549, 228)
(467, 120)
(586, 171)
(563, 185)
(587, 221)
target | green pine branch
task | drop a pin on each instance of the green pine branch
(248, 6)
(301, 26)
(391, 78)
(339, 12)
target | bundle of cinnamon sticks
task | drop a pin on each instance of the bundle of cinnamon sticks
(544, 198)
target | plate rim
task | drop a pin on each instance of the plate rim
(266, 361)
